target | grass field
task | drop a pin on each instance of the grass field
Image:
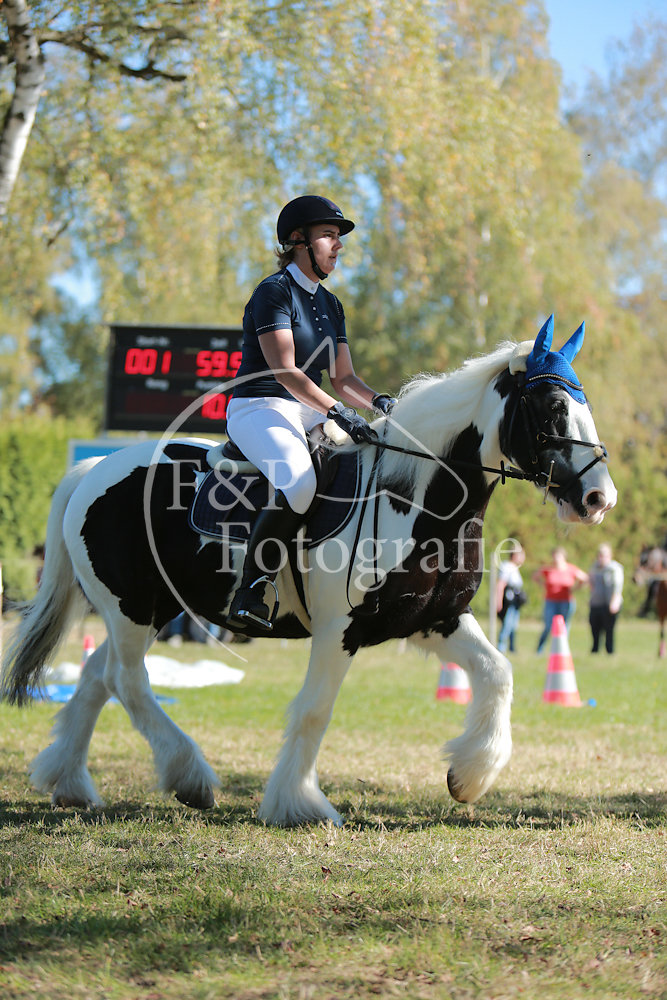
(552, 886)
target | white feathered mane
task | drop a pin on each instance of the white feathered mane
(433, 409)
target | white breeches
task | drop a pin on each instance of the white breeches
(271, 433)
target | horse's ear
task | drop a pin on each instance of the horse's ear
(573, 346)
(542, 342)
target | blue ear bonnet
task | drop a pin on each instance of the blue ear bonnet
(543, 365)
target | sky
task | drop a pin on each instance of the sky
(581, 29)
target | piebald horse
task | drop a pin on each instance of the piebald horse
(119, 539)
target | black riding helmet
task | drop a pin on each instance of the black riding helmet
(304, 212)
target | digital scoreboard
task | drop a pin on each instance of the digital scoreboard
(156, 373)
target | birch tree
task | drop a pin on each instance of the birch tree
(30, 74)
(132, 39)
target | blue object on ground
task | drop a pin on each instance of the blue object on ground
(63, 692)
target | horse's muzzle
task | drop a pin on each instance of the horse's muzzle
(596, 501)
(591, 509)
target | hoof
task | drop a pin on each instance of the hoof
(197, 800)
(454, 787)
(71, 802)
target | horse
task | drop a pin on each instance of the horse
(119, 540)
(652, 570)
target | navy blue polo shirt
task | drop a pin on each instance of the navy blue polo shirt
(289, 300)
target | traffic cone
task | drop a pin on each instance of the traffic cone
(453, 684)
(88, 649)
(561, 684)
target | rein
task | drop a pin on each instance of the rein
(376, 517)
(504, 472)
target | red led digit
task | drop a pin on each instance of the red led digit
(204, 364)
(215, 407)
(166, 362)
(220, 363)
(131, 361)
(234, 362)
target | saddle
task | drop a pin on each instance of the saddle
(229, 497)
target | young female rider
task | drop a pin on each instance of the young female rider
(293, 329)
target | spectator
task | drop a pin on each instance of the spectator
(560, 579)
(652, 560)
(183, 628)
(606, 583)
(510, 597)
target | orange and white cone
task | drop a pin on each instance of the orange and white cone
(561, 684)
(88, 649)
(453, 684)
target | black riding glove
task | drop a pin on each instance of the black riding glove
(353, 424)
(383, 403)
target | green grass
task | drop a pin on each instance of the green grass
(554, 885)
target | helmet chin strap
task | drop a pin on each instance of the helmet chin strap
(311, 253)
(316, 267)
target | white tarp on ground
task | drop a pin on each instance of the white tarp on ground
(163, 671)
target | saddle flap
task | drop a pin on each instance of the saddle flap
(227, 500)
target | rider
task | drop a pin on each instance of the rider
(293, 329)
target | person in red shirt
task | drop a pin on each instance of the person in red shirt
(560, 579)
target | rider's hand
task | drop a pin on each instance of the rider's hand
(383, 403)
(352, 423)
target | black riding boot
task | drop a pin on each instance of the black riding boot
(274, 528)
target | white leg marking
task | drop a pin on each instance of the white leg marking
(477, 756)
(293, 794)
(178, 760)
(61, 768)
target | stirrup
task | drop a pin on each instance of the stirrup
(242, 615)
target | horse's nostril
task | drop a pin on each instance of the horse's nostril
(595, 500)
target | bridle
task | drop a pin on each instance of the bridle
(538, 442)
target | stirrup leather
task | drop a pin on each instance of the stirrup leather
(242, 613)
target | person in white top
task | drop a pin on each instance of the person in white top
(605, 578)
(510, 596)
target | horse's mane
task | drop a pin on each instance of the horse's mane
(433, 409)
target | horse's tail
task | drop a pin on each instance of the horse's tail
(46, 620)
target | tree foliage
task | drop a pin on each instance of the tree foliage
(170, 132)
(33, 457)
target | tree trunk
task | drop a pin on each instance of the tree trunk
(30, 74)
